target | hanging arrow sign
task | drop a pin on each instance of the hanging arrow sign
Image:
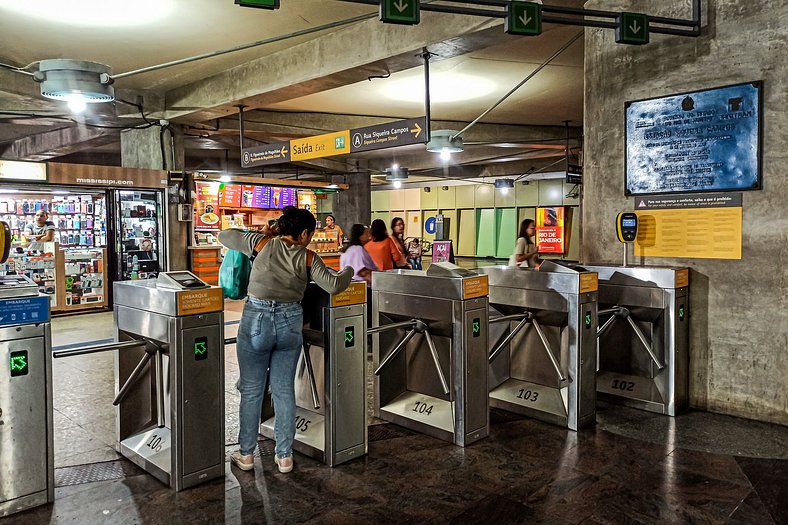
(632, 29)
(389, 135)
(523, 18)
(263, 4)
(400, 12)
(274, 153)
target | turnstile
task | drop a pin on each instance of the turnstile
(430, 351)
(643, 356)
(330, 383)
(26, 447)
(170, 402)
(543, 343)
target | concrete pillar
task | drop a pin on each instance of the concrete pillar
(157, 148)
(738, 308)
(353, 205)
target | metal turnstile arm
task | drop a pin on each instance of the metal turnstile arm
(310, 372)
(548, 349)
(645, 343)
(392, 326)
(159, 360)
(397, 348)
(99, 348)
(131, 379)
(605, 326)
(511, 335)
(436, 360)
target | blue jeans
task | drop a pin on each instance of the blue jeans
(415, 263)
(269, 338)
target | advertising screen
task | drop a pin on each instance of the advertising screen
(550, 230)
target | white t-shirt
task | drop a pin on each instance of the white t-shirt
(523, 247)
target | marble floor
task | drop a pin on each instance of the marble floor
(632, 467)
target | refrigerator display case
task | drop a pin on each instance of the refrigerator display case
(138, 233)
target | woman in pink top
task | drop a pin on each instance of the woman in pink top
(357, 257)
(382, 248)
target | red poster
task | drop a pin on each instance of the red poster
(230, 195)
(550, 231)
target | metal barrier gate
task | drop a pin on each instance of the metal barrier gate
(27, 476)
(430, 351)
(169, 376)
(330, 383)
(543, 343)
(643, 358)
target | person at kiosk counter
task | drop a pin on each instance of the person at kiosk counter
(270, 336)
(331, 225)
(40, 231)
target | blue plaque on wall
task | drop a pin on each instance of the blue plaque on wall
(700, 141)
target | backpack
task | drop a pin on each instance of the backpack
(237, 267)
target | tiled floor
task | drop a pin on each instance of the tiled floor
(632, 467)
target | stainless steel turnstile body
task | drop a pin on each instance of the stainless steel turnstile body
(430, 352)
(170, 415)
(331, 377)
(543, 343)
(644, 337)
(26, 447)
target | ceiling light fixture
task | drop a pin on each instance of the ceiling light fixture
(77, 82)
(396, 175)
(445, 142)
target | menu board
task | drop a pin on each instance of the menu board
(283, 197)
(261, 197)
(247, 196)
(307, 201)
(230, 195)
(207, 192)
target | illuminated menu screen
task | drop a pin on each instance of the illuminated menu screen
(230, 195)
(261, 197)
(289, 197)
(207, 192)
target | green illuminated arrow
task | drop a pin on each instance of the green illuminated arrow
(18, 363)
(199, 348)
(401, 6)
(349, 336)
(476, 327)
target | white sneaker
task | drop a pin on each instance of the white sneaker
(285, 464)
(241, 461)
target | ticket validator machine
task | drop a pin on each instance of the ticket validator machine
(26, 447)
(430, 351)
(331, 377)
(170, 401)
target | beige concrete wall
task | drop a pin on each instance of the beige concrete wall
(739, 309)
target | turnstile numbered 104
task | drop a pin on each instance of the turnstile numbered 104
(330, 383)
(543, 343)
(643, 336)
(170, 402)
(27, 477)
(430, 351)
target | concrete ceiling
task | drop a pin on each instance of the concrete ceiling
(328, 78)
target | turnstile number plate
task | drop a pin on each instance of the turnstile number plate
(628, 386)
(424, 409)
(531, 395)
(154, 446)
(310, 428)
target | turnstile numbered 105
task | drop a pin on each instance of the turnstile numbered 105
(27, 476)
(644, 337)
(330, 383)
(430, 351)
(543, 343)
(170, 402)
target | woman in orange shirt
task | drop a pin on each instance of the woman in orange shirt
(382, 248)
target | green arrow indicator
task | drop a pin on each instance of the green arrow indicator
(348, 337)
(588, 320)
(681, 312)
(632, 29)
(18, 364)
(523, 18)
(400, 12)
(262, 4)
(477, 327)
(199, 348)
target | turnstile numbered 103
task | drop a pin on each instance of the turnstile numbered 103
(643, 336)
(430, 351)
(543, 343)
(170, 402)
(27, 476)
(330, 383)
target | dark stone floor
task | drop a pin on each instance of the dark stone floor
(525, 472)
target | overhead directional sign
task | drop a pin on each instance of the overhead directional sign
(523, 18)
(400, 12)
(264, 4)
(381, 136)
(390, 135)
(632, 29)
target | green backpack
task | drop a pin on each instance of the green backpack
(234, 274)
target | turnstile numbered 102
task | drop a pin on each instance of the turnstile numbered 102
(27, 476)
(330, 383)
(430, 351)
(543, 343)
(170, 402)
(643, 337)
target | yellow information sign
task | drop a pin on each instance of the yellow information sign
(703, 233)
(475, 287)
(589, 282)
(320, 146)
(203, 301)
(356, 293)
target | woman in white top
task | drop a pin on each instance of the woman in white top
(525, 249)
